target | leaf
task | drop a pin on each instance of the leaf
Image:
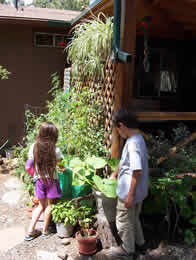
(110, 187)
(75, 163)
(96, 162)
(193, 221)
(113, 163)
(99, 183)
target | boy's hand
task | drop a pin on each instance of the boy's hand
(129, 202)
(113, 176)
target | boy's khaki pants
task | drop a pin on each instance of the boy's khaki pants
(129, 226)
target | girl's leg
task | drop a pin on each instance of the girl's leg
(47, 214)
(37, 213)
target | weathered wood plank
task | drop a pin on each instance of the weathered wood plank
(165, 116)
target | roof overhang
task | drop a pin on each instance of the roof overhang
(170, 18)
(104, 6)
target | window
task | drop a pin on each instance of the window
(161, 80)
(50, 40)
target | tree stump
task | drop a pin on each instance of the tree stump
(108, 234)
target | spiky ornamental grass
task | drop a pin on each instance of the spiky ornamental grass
(90, 47)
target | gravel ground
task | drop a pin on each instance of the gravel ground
(17, 215)
(14, 215)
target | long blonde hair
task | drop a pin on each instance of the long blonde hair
(44, 151)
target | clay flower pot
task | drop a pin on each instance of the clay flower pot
(87, 245)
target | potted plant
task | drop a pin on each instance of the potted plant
(104, 189)
(86, 236)
(65, 216)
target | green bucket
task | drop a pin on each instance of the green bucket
(65, 181)
(80, 190)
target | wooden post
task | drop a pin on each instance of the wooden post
(124, 71)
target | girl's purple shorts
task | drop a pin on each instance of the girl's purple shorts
(50, 189)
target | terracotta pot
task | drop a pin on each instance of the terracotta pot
(87, 245)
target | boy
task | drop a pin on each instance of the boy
(132, 189)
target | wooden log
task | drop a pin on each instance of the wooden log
(174, 149)
(125, 72)
(108, 234)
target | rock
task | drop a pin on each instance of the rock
(105, 255)
(66, 241)
(43, 255)
(13, 183)
(12, 197)
(70, 258)
(85, 257)
(107, 232)
(62, 253)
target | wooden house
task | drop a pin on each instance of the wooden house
(32, 48)
(154, 46)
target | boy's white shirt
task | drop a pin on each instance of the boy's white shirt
(134, 157)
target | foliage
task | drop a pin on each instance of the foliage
(84, 127)
(90, 47)
(85, 172)
(65, 212)
(72, 114)
(62, 4)
(159, 146)
(173, 197)
(3, 73)
(85, 220)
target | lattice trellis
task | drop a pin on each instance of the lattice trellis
(105, 92)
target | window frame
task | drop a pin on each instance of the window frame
(53, 40)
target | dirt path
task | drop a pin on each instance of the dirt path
(14, 222)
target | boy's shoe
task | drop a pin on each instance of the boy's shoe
(32, 235)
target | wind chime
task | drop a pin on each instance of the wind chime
(145, 27)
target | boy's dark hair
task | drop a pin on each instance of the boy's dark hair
(126, 117)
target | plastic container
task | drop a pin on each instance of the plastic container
(65, 181)
(64, 230)
(80, 190)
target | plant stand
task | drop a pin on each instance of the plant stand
(108, 234)
(106, 220)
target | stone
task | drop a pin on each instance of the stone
(107, 232)
(12, 197)
(13, 183)
(85, 257)
(66, 241)
(43, 255)
(62, 253)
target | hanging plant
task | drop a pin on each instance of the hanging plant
(90, 47)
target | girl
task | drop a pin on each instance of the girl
(45, 156)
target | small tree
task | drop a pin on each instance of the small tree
(3, 73)
(62, 4)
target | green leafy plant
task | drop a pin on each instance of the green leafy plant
(86, 220)
(3, 73)
(85, 172)
(171, 197)
(90, 47)
(65, 212)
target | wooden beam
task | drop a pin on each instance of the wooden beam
(125, 71)
(166, 116)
